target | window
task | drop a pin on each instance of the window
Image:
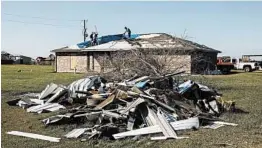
(234, 61)
(240, 60)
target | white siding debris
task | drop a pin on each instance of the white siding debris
(177, 125)
(34, 136)
(76, 133)
(47, 106)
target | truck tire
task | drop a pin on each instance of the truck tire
(225, 70)
(247, 68)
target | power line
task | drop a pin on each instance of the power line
(39, 23)
(36, 17)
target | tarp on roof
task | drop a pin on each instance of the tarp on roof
(111, 46)
(104, 39)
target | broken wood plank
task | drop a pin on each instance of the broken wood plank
(109, 100)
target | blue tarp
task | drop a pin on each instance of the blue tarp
(185, 86)
(106, 39)
(141, 84)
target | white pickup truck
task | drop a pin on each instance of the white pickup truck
(246, 66)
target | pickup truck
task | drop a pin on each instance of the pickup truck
(246, 66)
(224, 64)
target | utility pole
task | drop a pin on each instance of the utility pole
(84, 31)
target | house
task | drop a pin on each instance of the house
(6, 58)
(21, 59)
(50, 60)
(84, 58)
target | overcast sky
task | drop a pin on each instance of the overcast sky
(35, 28)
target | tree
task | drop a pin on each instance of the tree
(162, 55)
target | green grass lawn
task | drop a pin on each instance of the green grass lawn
(244, 88)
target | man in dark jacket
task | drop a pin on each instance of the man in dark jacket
(93, 38)
(128, 31)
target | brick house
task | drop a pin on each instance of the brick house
(84, 58)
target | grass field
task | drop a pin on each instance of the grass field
(244, 88)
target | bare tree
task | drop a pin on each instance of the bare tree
(157, 57)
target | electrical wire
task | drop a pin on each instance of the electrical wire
(39, 23)
(36, 17)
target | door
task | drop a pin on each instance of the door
(72, 62)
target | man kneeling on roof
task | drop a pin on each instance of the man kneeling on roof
(128, 31)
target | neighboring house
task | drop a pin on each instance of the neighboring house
(20, 59)
(50, 60)
(6, 58)
(83, 58)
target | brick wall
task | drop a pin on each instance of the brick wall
(183, 62)
(96, 60)
(203, 61)
(176, 63)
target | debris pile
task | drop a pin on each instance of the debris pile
(155, 106)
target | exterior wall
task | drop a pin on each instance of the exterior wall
(95, 61)
(83, 62)
(98, 61)
(202, 62)
(100, 64)
(23, 60)
(177, 62)
(64, 62)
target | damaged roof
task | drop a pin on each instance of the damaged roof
(145, 41)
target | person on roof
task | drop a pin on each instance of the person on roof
(93, 38)
(128, 31)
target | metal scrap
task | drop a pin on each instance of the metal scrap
(50, 107)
